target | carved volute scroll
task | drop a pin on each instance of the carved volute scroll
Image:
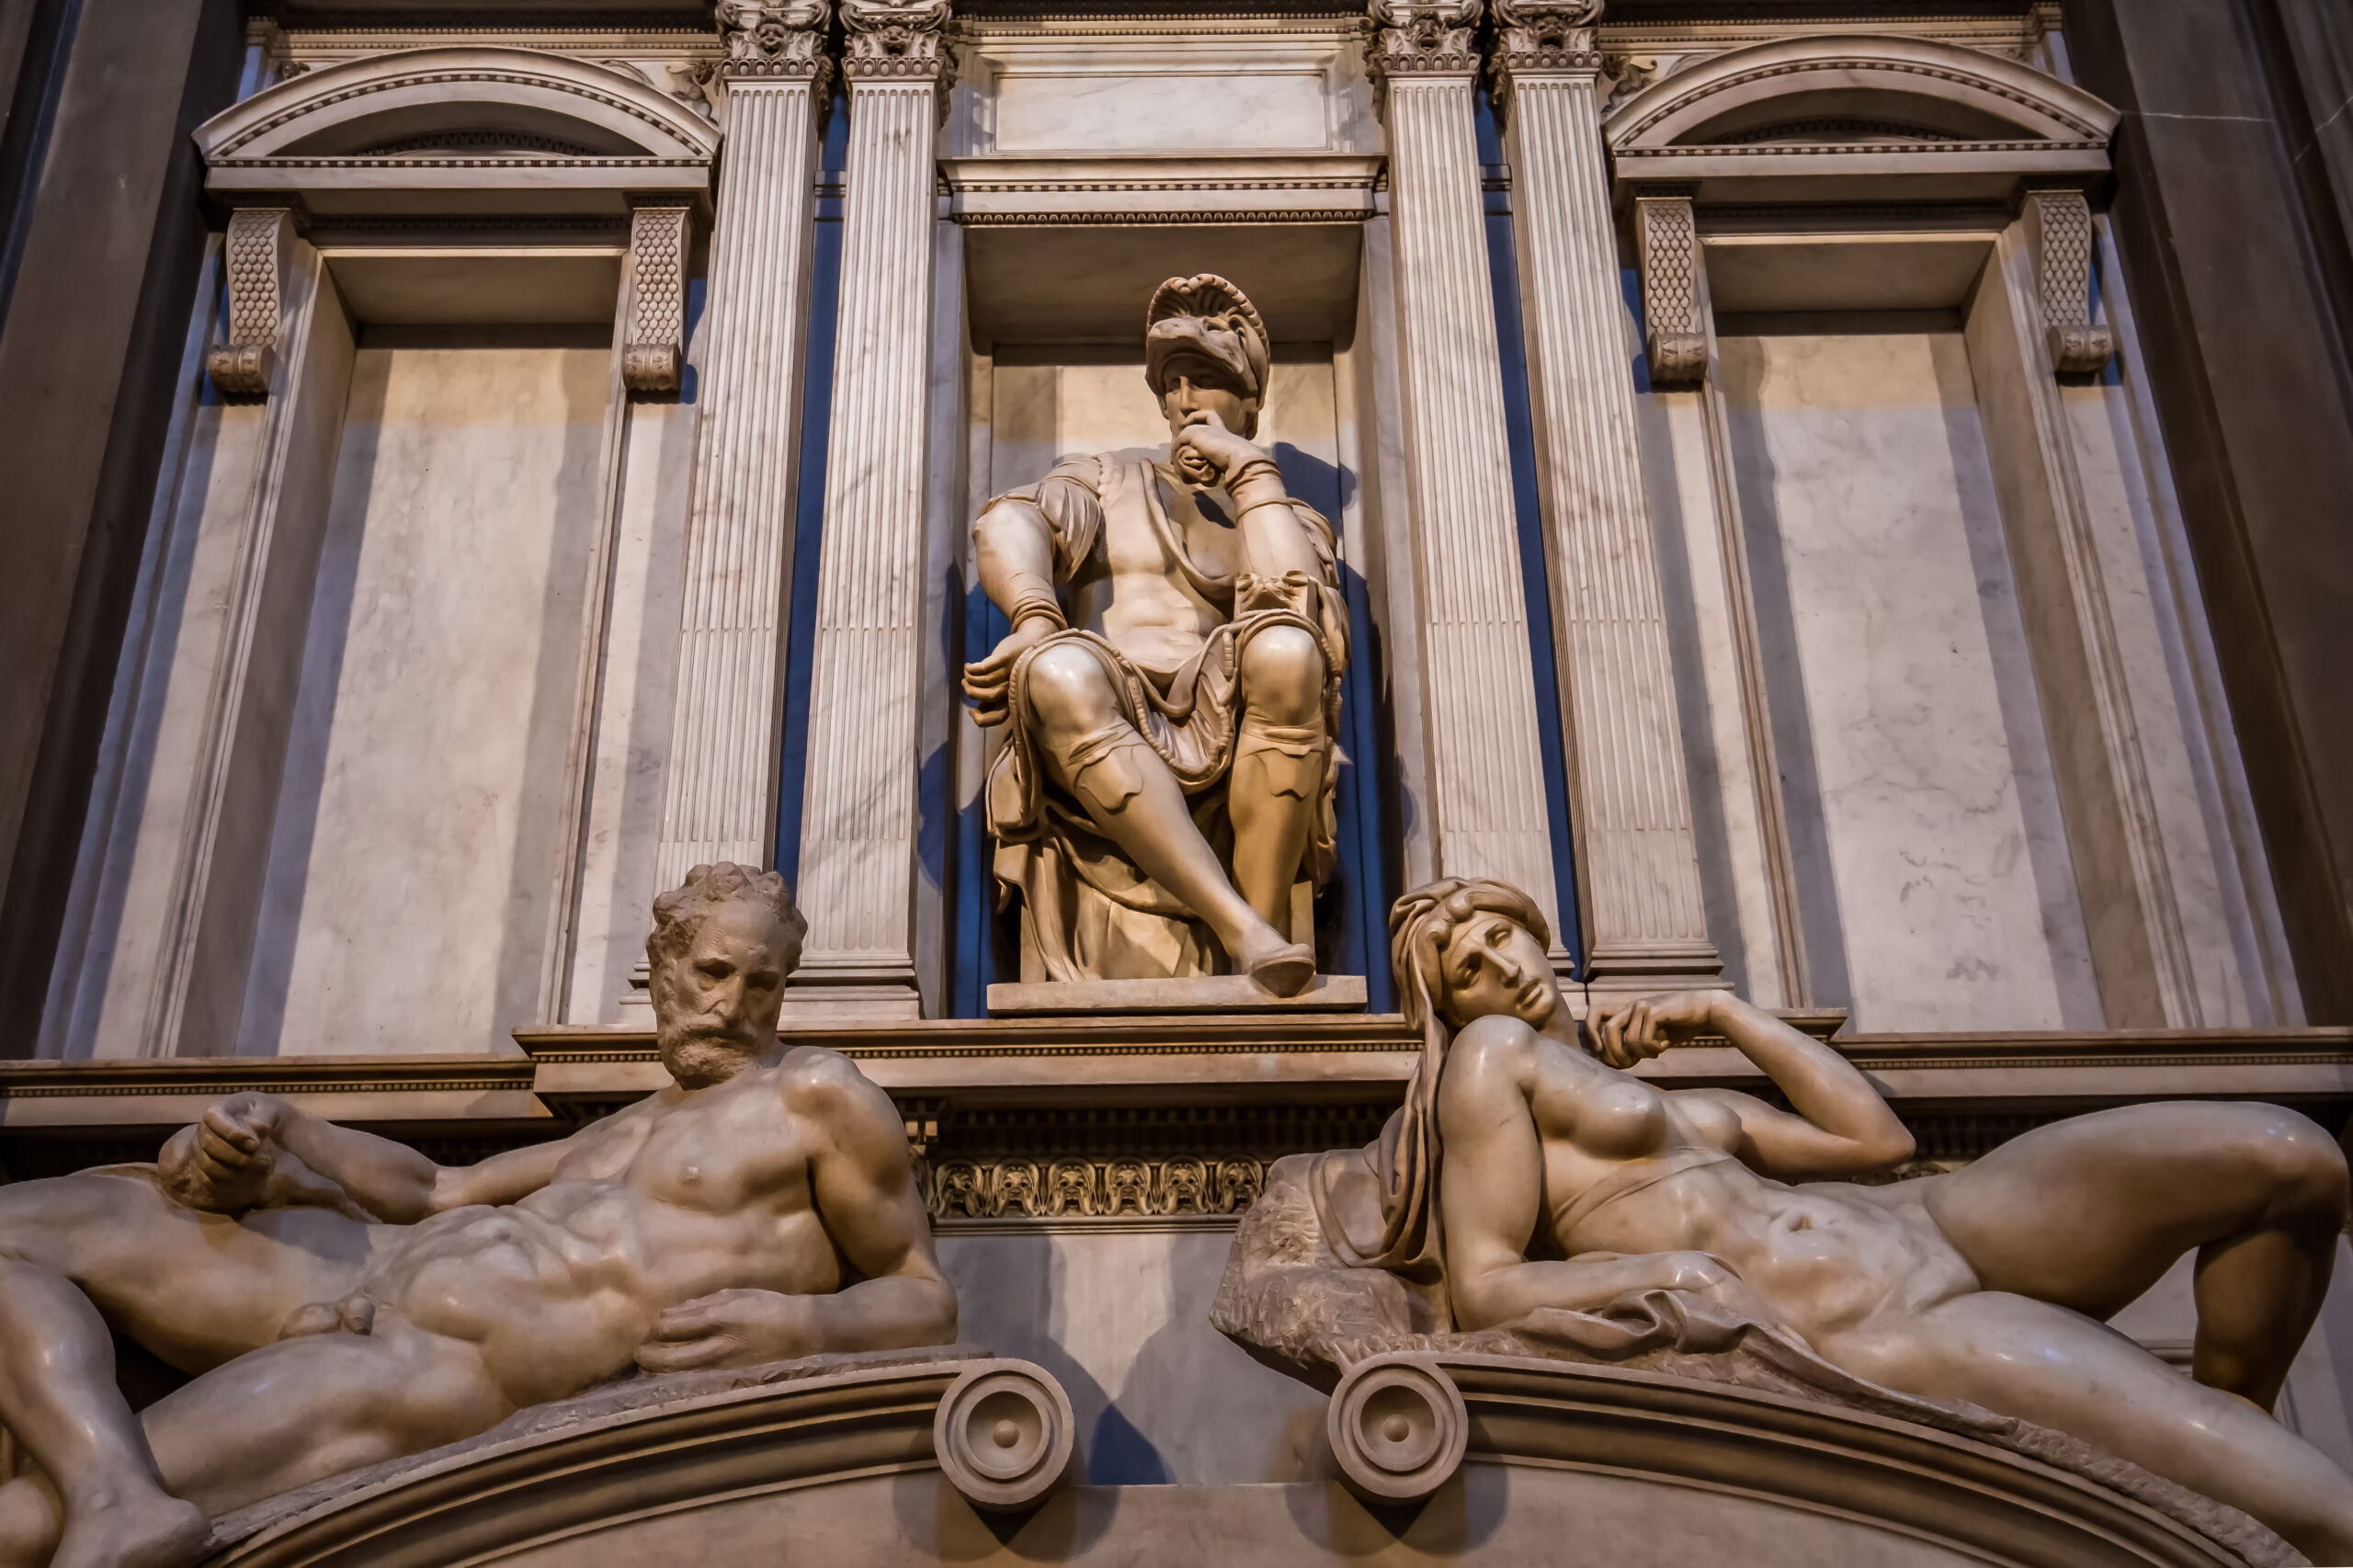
(655, 357)
(773, 40)
(1666, 243)
(255, 265)
(2059, 227)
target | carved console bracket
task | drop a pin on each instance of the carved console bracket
(2058, 228)
(1666, 247)
(1421, 37)
(654, 360)
(898, 38)
(2060, 232)
(256, 266)
(773, 40)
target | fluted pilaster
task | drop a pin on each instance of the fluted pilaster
(1486, 776)
(858, 836)
(1638, 868)
(726, 735)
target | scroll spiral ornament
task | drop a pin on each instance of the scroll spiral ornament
(1398, 1427)
(1004, 1435)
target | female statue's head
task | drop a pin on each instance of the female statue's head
(1464, 948)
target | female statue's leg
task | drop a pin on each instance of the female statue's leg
(2058, 1368)
(2089, 1212)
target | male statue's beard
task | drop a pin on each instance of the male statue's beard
(700, 1057)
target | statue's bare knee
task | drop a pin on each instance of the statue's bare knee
(1069, 695)
(1283, 675)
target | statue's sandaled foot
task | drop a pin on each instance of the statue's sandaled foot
(1285, 970)
(155, 1532)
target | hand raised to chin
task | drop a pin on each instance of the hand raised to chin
(1206, 448)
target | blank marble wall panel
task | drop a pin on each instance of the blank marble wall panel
(414, 851)
(1930, 856)
(1735, 877)
(2217, 927)
(244, 707)
(1121, 1319)
(2123, 876)
(620, 877)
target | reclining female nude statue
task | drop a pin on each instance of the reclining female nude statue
(1529, 1170)
(710, 1224)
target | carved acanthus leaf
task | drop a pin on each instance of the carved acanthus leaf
(655, 358)
(1667, 247)
(255, 262)
(2058, 228)
(769, 38)
(1422, 38)
(1546, 35)
(903, 39)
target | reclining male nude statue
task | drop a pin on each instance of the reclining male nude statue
(713, 1224)
(1529, 1170)
(1171, 683)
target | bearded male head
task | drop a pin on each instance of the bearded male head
(720, 948)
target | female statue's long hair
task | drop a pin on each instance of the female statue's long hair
(1406, 1160)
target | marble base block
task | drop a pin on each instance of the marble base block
(1197, 994)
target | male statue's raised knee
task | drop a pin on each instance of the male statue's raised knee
(1283, 674)
(1068, 692)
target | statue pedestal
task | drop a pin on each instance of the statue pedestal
(1195, 993)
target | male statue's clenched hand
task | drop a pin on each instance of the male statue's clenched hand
(235, 1160)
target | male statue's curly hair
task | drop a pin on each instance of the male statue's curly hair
(679, 911)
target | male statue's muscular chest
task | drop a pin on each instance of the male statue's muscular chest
(734, 1149)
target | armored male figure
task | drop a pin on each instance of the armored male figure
(1172, 681)
(346, 1301)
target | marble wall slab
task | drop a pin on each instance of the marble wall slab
(1121, 1319)
(1930, 857)
(406, 906)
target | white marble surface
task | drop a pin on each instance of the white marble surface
(1206, 109)
(414, 850)
(1930, 854)
(1254, 84)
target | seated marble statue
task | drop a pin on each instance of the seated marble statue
(1171, 682)
(1530, 1173)
(346, 1302)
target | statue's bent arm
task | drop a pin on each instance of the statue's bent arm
(1491, 1189)
(863, 1183)
(389, 1180)
(1013, 547)
(1841, 1126)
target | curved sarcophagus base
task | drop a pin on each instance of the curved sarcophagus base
(1500, 1459)
(712, 1468)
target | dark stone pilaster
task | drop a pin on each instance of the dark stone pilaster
(106, 239)
(2226, 224)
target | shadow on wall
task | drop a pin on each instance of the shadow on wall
(1121, 1319)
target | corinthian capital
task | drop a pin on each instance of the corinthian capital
(1422, 37)
(1546, 35)
(897, 37)
(773, 37)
